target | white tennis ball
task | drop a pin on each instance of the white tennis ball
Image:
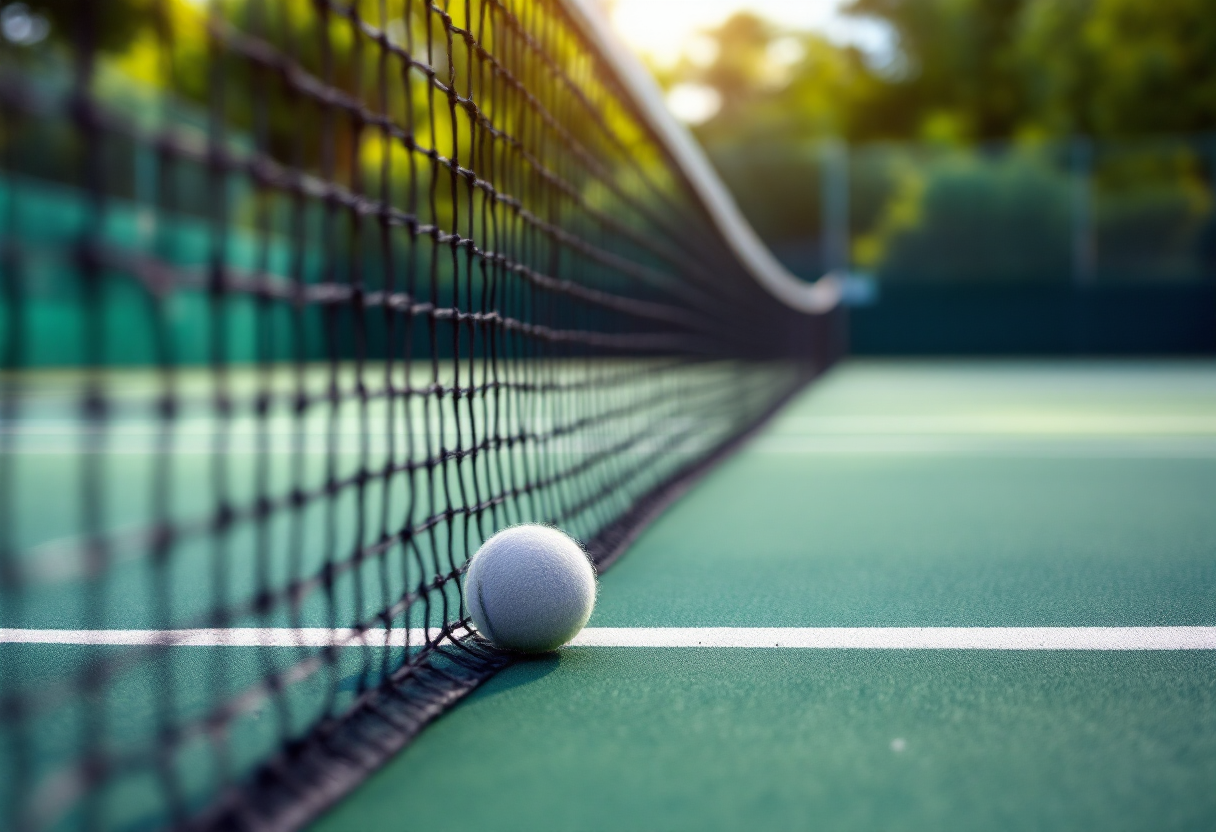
(530, 588)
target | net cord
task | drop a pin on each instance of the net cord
(817, 298)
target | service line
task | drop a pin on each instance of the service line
(907, 638)
(823, 638)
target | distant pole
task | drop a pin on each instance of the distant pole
(1081, 162)
(834, 205)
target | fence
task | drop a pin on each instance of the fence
(1070, 246)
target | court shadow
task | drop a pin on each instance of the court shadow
(523, 671)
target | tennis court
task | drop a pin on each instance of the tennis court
(886, 498)
(303, 302)
(890, 495)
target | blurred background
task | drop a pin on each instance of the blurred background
(995, 176)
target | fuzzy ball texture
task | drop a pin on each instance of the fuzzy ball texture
(530, 588)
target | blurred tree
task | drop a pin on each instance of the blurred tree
(76, 21)
(963, 72)
(971, 70)
(1119, 67)
(778, 84)
(778, 91)
(959, 75)
(964, 217)
(981, 69)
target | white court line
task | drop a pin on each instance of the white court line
(1134, 447)
(907, 638)
(831, 638)
(223, 637)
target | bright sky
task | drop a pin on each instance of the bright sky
(662, 28)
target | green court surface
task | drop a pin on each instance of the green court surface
(896, 495)
(87, 691)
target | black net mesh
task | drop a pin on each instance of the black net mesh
(303, 300)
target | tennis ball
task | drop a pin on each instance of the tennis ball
(530, 588)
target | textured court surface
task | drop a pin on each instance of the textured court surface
(891, 494)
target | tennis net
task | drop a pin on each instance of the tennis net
(302, 300)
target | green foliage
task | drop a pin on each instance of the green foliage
(968, 218)
(778, 191)
(971, 73)
(972, 70)
(1150, 229)
(761, 139)
(949, 215)
(959, 74)
(83, 21)
(1120, 67)
(1152, 207)
(815, 95)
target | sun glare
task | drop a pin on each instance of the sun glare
(693, 103)
(661, 30)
